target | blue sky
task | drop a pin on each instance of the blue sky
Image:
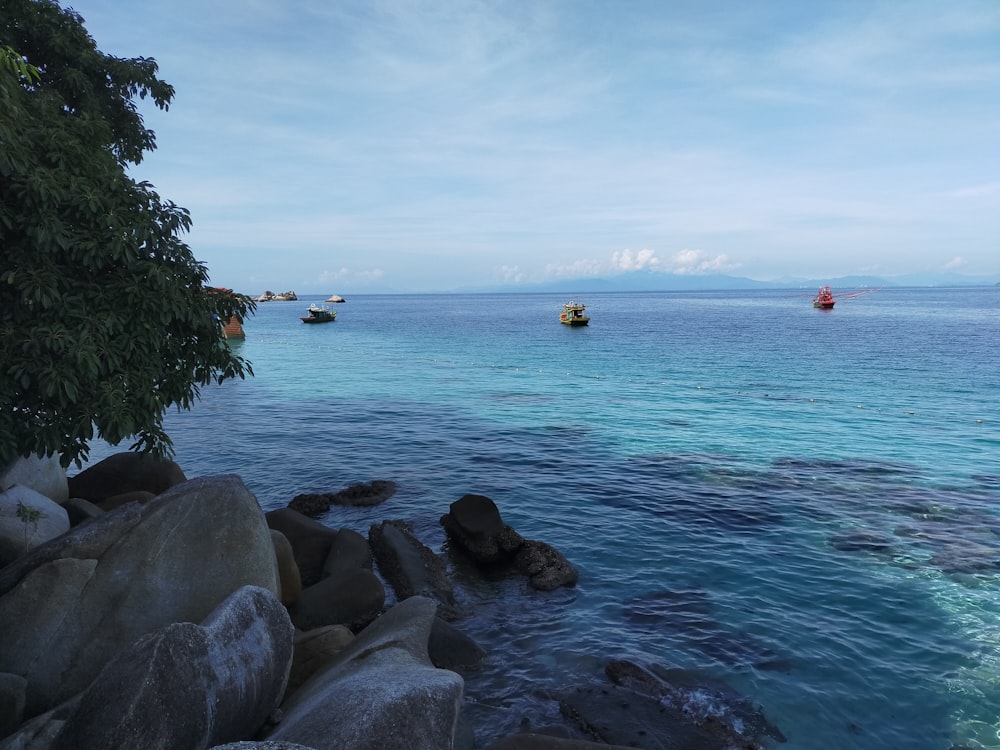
(334, 146)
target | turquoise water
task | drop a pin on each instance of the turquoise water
(804, 504)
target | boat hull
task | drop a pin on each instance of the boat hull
(574, 314)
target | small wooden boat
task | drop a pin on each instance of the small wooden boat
(319, 314)
(824, 298)
(574, 314)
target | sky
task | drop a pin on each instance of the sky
(343, 146)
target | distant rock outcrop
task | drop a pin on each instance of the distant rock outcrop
(335, 298)
(270, 296)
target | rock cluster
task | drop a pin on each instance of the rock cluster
(474, 524)
(160, 611)
(270, 296)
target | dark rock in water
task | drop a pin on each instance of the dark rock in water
(125, 472)
(968, 558)
(475, 527)
(547, 569)
(365, 494)
(450, 648)
(410, 567)
(474, 523)
(693, 702)
(310, 504)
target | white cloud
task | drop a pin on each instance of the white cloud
(626, 260)
(956, 262)
(696, 262)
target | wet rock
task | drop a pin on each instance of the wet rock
(695, 703)
(475, 527)
(547, 569)
(474, 523)
(450, 648)
(365, 494)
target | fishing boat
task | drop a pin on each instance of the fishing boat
(574, 314)
(319, 314)
(824, 298)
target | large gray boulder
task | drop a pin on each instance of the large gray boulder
(18, 534)
(43, 474)
(380, 693)
(189, 686)
(173, 560)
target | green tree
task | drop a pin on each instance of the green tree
(105, 317)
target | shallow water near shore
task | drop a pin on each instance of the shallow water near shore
(802, 504)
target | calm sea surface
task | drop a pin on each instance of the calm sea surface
(803, 504)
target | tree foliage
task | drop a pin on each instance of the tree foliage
(105, 317)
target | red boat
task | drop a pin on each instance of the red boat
(824, 298)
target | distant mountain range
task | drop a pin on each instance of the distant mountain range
(652, 281)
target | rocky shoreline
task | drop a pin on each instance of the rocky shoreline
(143, 609)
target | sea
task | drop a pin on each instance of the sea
(802, 506)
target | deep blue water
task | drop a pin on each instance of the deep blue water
(804, 504)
